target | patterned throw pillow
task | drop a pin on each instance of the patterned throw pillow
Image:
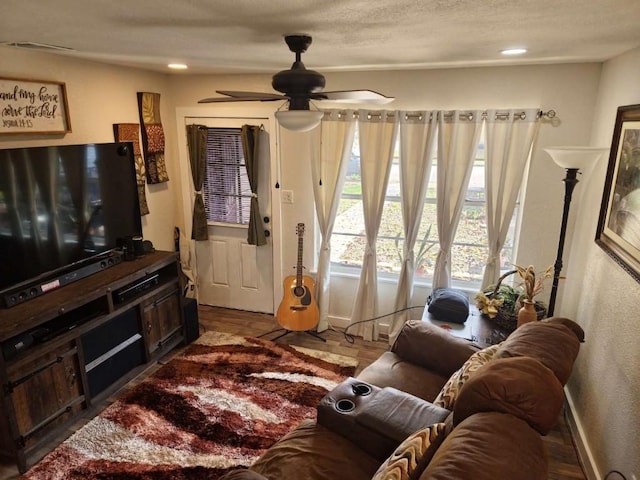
(447, 396)
(413, 455)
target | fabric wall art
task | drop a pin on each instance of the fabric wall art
(152, 137)
(129, 132)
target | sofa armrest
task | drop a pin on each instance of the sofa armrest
(432, 347)
(398, 414)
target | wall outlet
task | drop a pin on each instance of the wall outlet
(287, 196)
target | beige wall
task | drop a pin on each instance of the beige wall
(99, 96)
(605, 386)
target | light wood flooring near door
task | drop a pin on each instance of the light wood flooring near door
(563, 461)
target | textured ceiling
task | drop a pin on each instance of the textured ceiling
(224, 36)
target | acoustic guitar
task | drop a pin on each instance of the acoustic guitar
(298, 310)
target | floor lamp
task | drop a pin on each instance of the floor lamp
(572, 159)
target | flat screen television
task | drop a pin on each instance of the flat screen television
(61, 206)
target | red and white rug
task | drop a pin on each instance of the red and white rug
(218, 405)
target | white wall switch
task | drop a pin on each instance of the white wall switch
(287, 196)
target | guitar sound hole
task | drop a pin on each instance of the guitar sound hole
(298, 291)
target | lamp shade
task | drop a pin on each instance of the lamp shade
(299, 120)
(582, 158)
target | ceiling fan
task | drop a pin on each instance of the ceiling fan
(298, 86)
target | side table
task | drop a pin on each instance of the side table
(478, 328)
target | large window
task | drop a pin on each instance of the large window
(227, 192)
(469, 251)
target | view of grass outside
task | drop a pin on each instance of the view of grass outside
(469, 251)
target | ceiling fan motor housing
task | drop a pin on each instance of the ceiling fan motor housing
(298, 83)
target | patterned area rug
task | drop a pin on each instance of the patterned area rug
(218, 405)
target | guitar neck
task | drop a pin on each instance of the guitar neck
(299, 264)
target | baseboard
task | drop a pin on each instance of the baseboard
(579, 439)
(341, 323)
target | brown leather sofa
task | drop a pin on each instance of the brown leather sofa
(501, 400)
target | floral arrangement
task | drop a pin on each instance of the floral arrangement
(533, 285)
(508, 298)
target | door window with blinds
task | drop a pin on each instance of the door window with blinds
(227, 193)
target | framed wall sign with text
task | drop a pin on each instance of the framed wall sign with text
(619, 224)
(33, 107)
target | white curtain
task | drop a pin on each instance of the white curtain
(417, 144)
(509, 139)
(377, 131)
(458, 135)
(328, 170)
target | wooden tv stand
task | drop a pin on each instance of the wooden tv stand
(85, 341)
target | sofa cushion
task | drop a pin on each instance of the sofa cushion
(489, 446)
(520, 386)
(312, 451)
(553, 344)
(242, 474)
(447, 396)
(412, 456)
(391, 370)
(432, 347)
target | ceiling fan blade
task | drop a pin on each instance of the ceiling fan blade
(353, 96)
(236, 96)
(240, 94)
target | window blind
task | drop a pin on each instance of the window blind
(226, 187)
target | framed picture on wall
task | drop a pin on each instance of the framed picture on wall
(619, 224)
(33, 107)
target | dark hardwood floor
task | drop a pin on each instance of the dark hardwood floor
(563, 461)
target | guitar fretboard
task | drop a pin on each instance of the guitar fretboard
(299, 264)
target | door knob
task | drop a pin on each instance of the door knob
(267, 233)
(266, 219)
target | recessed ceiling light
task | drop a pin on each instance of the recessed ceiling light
(178, 66)
(514, 51)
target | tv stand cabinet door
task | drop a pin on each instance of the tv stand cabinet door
(46, 392)
(162, 319)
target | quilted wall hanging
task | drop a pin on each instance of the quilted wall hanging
(129, 132)
(152, 137)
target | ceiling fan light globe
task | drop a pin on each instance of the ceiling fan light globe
(299, 120)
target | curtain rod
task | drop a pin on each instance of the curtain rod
(549, 114)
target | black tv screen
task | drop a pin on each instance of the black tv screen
(62, 205)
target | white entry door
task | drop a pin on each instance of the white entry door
(232, 273)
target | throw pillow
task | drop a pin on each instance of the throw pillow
(447, 396)
(412, 456)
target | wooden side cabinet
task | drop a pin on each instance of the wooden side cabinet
(159, 319)
(80, 344)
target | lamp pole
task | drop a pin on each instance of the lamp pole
(570, 181)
